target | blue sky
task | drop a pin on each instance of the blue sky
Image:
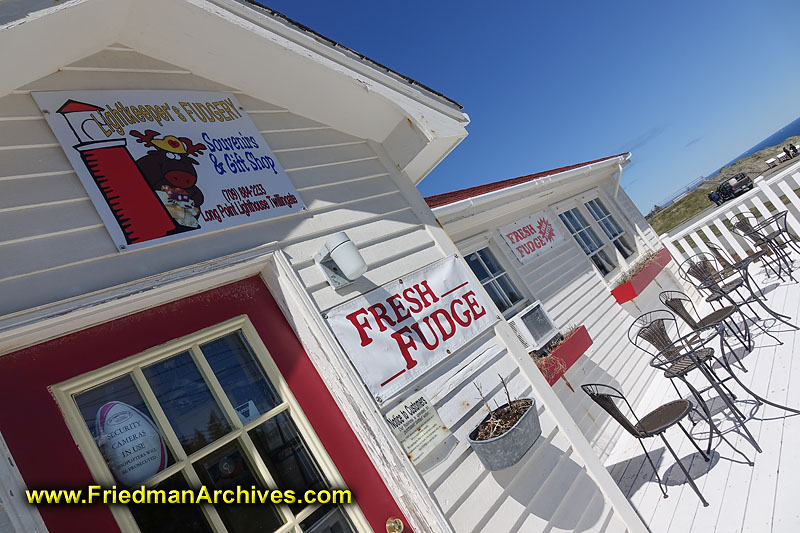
(684, 86)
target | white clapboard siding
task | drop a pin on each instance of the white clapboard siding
(573, 293)
(54, 246)
(525, 497)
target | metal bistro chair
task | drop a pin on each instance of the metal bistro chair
(771, 234)
(727, 261)
(691, 346)
(700, 267)
(654, 423)
(680, 304)
(649, 333)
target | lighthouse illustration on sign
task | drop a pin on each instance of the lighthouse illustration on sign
(150, 197)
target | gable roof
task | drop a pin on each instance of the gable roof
(247, 47)
(438, 200)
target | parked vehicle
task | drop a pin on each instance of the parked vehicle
(735, 186)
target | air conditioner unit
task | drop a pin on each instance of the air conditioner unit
(533, 327)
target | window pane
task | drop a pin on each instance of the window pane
(227, 469)
(603, 262)
(592, 235)
(623, 247)
(287, 457)
(496, 295)
(592, 207)
(490, 261)
(586, 245)
(174, 518)
(579, 218)
(601, 266)
(563, 218)
(327, 519)
(511, 292)
(241, 376)
(187, 402)
(477, 267)
(124, 431)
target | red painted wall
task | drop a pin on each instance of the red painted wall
(46, 454)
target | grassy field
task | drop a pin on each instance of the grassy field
(680, 211)
(697, 200)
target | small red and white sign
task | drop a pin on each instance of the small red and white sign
(531, 236)
(399, 331)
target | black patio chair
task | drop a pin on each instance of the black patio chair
(726, 261)
(772, 235)
(650, 333)
(654, 423)
(699, 267)
(680, 304)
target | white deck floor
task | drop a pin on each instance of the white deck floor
(762, 498)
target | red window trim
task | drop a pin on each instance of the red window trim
(46, 454)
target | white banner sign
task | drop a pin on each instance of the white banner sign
(159, 165)
(395, 333)
(531, 236)
(417, 426)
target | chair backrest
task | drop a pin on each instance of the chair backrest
(744, 225)
(680, 304)
(604, 396)
(649, 331)
(743, 222)
(719, 254)
(698, 268)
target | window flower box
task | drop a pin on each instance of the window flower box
(637, 284)
(564, 355)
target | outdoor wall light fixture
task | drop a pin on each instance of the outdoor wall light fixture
(340, 260)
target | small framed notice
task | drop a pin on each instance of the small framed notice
(417, 426)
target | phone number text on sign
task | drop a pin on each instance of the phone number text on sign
(399, 331)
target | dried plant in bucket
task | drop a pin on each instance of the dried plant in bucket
(506, 433)
(501, 419)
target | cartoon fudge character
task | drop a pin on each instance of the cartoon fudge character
(169, 170)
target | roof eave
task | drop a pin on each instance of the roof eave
(542, 183)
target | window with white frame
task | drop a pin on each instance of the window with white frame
(588, 240)
(209, 410)
(495, 280)
(610, 227)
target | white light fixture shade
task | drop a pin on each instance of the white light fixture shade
(346, 256)
(340, 260)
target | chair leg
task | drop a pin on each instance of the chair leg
(655, 470)
(694, 443)
(685, 472)
(735, 330)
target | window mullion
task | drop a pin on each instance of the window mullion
(216, 389)
(265, 476)
(247, 444)
(161, 418)
(177, 448)
(208, 509)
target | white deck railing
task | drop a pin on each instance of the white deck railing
(765, 199)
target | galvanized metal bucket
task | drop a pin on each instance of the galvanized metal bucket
(507, 449)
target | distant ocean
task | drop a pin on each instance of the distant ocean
(790, 130)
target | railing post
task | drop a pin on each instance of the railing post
(673, 250)
(778, 204)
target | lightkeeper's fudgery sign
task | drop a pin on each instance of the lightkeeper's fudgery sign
(162, 164)
(395, 333)
(531, 236)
